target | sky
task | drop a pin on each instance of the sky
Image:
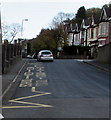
(40, 13)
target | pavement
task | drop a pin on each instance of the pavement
(100, 65)
(9, 79)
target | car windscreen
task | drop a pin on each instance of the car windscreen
(45, 53)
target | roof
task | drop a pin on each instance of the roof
(105, 14)
(85, 23)
(96, 19)
(108, 12)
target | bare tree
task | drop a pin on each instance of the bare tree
(60, 18)
(14, 30)
(5, 31)
(60, 35)
(10, 31)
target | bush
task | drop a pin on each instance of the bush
(70, 50)
(75, 50)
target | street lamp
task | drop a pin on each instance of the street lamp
(24, 47)
(22, 25)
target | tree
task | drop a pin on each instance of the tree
(60, 18)
(14, 30)
(81, 14)
(44, 40)
(53, 37)
(60, 36)
(93, 11)
(9, 32)
(5, 31)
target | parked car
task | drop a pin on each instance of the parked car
(45, 55)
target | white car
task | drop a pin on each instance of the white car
(45, 55)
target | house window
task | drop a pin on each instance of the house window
(82, 34)
(88, 34)
(103, 29)
(102, 42)
(92, 33)
(100, 29)
(96, 31)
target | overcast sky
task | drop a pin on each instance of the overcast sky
(40, 13)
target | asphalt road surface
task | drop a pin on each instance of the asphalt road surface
(59, 89)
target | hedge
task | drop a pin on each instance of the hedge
(76, 50)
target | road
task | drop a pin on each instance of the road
(59, 89)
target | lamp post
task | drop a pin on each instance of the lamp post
(22, 25)
(24, 45)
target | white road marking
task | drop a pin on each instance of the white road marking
(26, 83)
(1, 116)
(41, 83)
(41, 74)
(30, 68)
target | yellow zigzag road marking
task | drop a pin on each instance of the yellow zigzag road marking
(32, 96)
(18, 100)
(10, 107)
(42, 105)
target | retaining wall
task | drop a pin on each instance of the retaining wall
(10, 54)
(104, 54)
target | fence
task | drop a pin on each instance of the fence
(10, 54)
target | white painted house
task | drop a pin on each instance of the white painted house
(84, 31)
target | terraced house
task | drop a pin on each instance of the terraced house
(92, 38)
(94, 31)
(105, 27)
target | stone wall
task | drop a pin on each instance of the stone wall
(10, 54)
(104, 54)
